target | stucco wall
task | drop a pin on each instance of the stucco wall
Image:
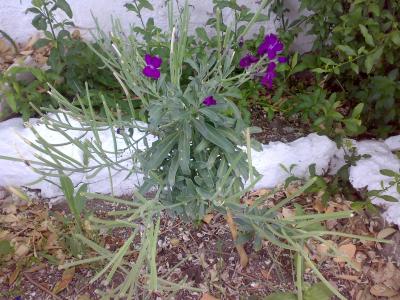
(17, 24)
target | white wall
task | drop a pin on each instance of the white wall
(17, 24)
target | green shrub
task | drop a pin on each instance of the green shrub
(354, 57)
(71, 64)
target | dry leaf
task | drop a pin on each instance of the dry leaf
(207, 296)
(4, 47)
(21, 250)
(26, 53)
(65, 280)
(348, 277)
(244, 259)
(347, 250)
(207, 218)
(10, 209)
(174, 242)
(83, 297)
(318, 206)
(364, 295)
(384, 233)
(35, 268)
(32, 41)
(14, 275)
(288, 213)
(330, 208)
(9, 218)
(323, 249)
(381, 290)
(389, 275)
(260, 192)
(248, 201)
(266, 275)
(291, 189)
(76, 34)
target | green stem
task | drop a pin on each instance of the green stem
(8, 38)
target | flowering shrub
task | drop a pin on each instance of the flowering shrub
(354, 58)
(197, 161)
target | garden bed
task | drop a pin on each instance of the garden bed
(204, 254)
(313, 204)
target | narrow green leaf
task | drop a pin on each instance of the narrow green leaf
(372, 59)
(67, 187)
(173, 168)
(146, 4)
(202, 34)
(367, 36)
(161, 151)
(184, 148)
(212, 135)
(64, 6)
(395, 37)
(347, 50)
(388, 173)
(355, 68)
(357, 110)
(389, 198)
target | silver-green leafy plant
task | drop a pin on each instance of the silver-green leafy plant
(198, 159)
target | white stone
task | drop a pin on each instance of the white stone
(302, 153)
(366, 174)
(393, 143)
(312, 149)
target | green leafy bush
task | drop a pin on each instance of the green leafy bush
(355, 55)
(71, 64)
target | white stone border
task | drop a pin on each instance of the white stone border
(302, 152)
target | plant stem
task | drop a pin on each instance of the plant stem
(50, 22)
(139, 14)
(8, 38)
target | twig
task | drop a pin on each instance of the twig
(41, 287)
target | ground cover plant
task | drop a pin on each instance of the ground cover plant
(193, 155)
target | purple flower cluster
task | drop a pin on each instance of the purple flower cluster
(209, 101)
(153, 65)
(271, 46)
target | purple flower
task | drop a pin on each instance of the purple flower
(282, 59)
(154, 61)
(269, 76)
(209, 101)
(270, 46)
(151, 72)
(271, 67)
(247, 61)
